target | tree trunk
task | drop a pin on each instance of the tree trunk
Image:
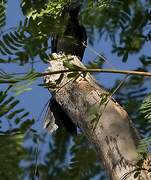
(105, 123)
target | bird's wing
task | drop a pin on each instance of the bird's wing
(49, 122)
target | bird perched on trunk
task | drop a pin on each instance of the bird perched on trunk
(70, 42)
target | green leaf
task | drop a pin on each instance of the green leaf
(2, 14)
(8, 101)
(23, 57)
(11, 152)
(145, 108)
(22, 87)
(9, 110)
(3, 95)
(11, 115)
(4, 49)
(13, 104)
(103, 98)
(7, 40)
(72, 67)
(73, 75)
(27, 124)
(125, 57)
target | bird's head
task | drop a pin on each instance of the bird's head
(73, 8)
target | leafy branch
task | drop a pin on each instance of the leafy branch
(75, 70)
(2, 13)
(14, 115)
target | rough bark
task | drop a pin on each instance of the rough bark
(106, 125)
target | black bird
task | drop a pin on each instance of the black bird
(71, 42)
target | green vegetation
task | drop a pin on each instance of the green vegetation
(126, 24)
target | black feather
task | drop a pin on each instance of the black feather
(71, 42)
(61, 117)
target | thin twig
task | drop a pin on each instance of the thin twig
(113, 71)
(98, 54)
(36, 161)
(9, 81)
(119, 85)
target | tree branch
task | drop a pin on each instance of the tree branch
(105, 123)
(84, 70)
(114, 71)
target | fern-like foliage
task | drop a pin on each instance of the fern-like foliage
(53, 8)
(134, 96)
(14, 123)
(2, 13)
(82, 164)
(126, 20)
(32, 37)
(11, 152)
(66, 158)
(46, 18)
(11, 45)
(131, 95)
(11, 42)
(54, 166)
(9, 111)
(22, 44)
(145, 108)
(145, 112)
